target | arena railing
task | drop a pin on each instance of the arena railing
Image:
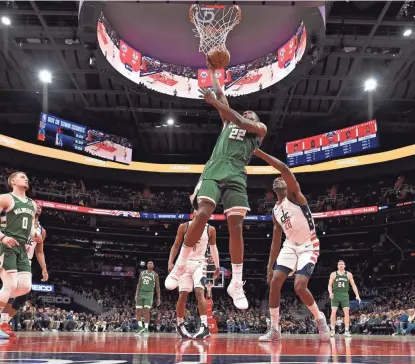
(356, 161)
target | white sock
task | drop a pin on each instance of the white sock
(146, 325)
(140, 324)
(203, 319)
(275, 316)
(5, 318)
(184, 254)
(314, 310)
(237, 272)
(179, 320)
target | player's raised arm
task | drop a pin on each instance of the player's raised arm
(250, 122)
(330, 287)
(40, 255)
(292, 185)
(275, 248)
(354, 287)
(217, 88)
(176, 246)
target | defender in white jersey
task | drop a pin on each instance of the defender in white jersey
(194, 276)
(300, 251)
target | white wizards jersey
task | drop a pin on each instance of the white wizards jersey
(200, 249)
(296, 221)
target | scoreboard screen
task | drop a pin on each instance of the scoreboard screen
(63, 134)
(334, 144)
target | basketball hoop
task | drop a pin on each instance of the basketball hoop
(213, 23)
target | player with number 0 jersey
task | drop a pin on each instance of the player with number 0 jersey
(224, 179)
(300, 251)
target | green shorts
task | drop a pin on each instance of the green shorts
(145, 299)
(225, 181)
(340, 300)
(14, 259)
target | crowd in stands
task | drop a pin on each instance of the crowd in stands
(176, 200)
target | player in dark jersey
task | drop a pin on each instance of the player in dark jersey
(339, 294)
(148, 280)
(15, 270)
(224, 178)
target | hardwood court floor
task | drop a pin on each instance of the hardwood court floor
(108, 348)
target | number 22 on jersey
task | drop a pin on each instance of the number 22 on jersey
(237, 134)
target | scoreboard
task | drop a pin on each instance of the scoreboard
(334, 144)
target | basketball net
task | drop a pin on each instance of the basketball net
(213, 23)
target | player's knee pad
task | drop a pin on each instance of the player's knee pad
(9, 280)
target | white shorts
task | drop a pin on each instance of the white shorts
(193, 275)
(295, 257)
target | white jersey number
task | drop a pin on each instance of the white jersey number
(25, 223)
(237, 134)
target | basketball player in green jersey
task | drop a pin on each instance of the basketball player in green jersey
(15, 270)
(224, 178)
(144, 296)
(339, 295)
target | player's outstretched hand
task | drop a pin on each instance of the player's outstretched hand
(207, 94)
(45, 275)
(216, 274)
(9, 242)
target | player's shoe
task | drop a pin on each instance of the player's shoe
(140, 330)
(182, 332)
(332, 333)
(347, 333)
(172, 280)
(323, 328)
(236, 291)
(145, 332)
(5, 328)
(203, 332)
(272, 335)
(3, 335)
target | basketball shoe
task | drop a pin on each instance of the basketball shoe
(182, 331)
(5, 328)
(172, 280)
(236, 291)
(272, 335)
(323, 328)
(3, 335)
(203, 332)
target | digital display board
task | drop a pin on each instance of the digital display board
(184, 81)
(334, 144)
(63, 134)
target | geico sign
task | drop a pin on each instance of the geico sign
(57, 299)
(42, 288)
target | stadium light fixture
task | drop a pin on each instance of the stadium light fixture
(370, 84)
(5, 20)
(45, 76)
(170, 121)
(407, 32)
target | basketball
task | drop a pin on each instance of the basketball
(219, 58)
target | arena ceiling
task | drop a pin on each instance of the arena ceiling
(362, 39)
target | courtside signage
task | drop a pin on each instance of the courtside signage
(44, 288)
(42, 151)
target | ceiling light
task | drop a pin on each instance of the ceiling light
(170, 121)
(6, 20)
(45, 76)
(370, 84)
(158, 126)
(406, 33)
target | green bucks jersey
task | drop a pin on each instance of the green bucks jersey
(235, 143)
(19, 220)
(148, 280)
(341, 283)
